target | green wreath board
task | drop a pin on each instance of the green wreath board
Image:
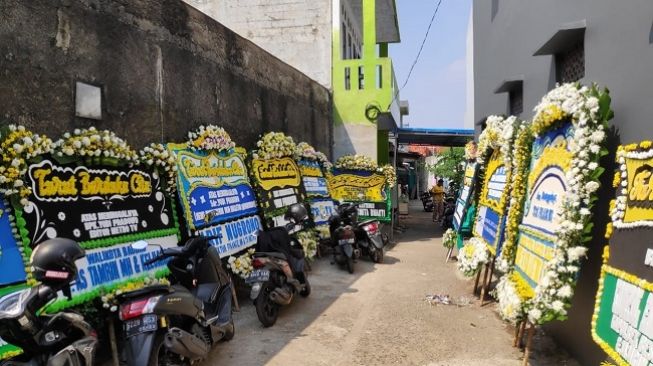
(622, 323)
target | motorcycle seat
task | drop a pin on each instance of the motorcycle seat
(144, 291)
(366, 222)
(271, 254)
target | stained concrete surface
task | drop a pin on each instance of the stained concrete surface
(378, 316)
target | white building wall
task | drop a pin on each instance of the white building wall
(297, 32)
(469, 120)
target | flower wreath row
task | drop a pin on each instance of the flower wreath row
(362, 162)
(497, 138)
(589, 111)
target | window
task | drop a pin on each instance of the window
(516, 101)
(350, 47)
(379, 76)
(514, 86)
(570, 64)
(344, 42)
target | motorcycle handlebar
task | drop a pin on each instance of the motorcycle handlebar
(165, 253)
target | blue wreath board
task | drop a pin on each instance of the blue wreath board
(11, 260)
(217, 183)
(317, 190)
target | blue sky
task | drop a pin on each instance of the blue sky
(436, 90)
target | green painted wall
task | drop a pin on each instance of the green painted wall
(378, 83)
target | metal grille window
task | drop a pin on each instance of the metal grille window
(516, 100)
(570, 64)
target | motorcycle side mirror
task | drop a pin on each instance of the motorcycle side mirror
(140, 245)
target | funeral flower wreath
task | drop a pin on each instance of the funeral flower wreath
(210, 137)
(274, 145)
(362, 162)
(521, 154)
(588, 109)
(157, 155)
(17, 146)
(472, 256)
(449, 238)
(93, 143)
(304, 150)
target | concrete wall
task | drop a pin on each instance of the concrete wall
(297, 32)
(164, 68)
(352, 138)
(618, 54)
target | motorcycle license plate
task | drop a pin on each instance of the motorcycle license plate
(346, 241)
(145, 323)
(258, 275)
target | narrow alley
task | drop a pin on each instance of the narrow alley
(379, 316)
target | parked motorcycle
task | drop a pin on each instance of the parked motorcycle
(427, 201)
(63, 338)
(447, 216)
(351, 238)
(180, 323)
(278, 264)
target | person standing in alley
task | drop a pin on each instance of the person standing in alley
(437, 193)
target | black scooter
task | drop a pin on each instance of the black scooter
(278, 264)
(59, 339)
(178, 324)
(350, 238)
(427, 201)
(447, 216)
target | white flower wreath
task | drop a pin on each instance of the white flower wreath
(157, 155)
(589, 110)
(472, 256)
(210, 137)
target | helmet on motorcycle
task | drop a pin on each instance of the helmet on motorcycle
(296, 213)
(53, 261)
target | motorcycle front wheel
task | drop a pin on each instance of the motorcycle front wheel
(307, 287)
(350, 264)
(266, 309)
(377, 255)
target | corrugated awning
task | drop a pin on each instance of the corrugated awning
(435, 136)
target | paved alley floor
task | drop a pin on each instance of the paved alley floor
(378, 315)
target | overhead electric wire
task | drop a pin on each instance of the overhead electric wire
(419, 53)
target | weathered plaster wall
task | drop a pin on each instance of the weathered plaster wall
(163, 66)
(298, 32)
